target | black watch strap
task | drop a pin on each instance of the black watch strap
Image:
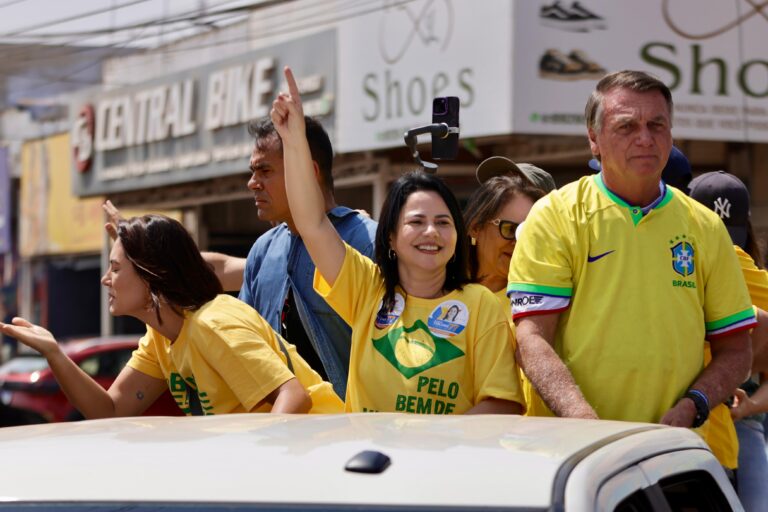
(701, 402)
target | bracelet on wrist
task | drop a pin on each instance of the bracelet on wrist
(701, 403)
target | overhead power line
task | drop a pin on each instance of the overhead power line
(313, 21)
(71, 18)
(11, 2)
(192, 15)
(326, 15)
(24, 54)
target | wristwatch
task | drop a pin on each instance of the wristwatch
(701, 402)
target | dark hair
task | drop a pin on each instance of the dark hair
(319, 144)
(456, 269)
(637, 81)
(167, 259)
(486, 201)
(751, 246)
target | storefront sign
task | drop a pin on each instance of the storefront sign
(82, 139)
(712, 54)
(395, 60)
(52, 220)
(193, 125)
(5, 203)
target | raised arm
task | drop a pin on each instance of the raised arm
(130, 394)
(305, 199)
(228, 269)
(113, 218)
(545, 369)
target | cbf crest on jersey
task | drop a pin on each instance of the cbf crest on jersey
(683, 258)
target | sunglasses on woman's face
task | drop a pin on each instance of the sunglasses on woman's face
(506, 228)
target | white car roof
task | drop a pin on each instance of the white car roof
(495, 461)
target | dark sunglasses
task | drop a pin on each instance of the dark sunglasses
(506, 228)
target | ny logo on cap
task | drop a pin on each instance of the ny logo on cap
(723, 207)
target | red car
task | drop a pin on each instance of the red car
(30, 394)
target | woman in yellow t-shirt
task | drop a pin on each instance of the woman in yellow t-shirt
(215, 353)
(423, 341)
(492, 216)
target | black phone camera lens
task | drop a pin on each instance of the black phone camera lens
(440, 106)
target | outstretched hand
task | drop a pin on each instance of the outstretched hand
(287, 113)
(743, 405)
(113, 216)
(31, 335)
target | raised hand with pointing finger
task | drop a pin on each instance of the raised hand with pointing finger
(277, 145)
(287, 113)
(416, 254)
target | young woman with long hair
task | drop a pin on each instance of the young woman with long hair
(215, 353)
(423, 339)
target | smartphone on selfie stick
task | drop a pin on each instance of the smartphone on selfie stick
(444, 130)
(445, 110)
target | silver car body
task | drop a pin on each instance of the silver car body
(450, 461)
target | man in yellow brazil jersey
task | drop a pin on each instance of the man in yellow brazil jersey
(617, 280)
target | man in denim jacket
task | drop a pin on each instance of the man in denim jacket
(278, 273)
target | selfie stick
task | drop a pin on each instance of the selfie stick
(441, 130)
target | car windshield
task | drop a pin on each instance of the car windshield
(23, 364)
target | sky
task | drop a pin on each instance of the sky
(124, 23)
(100, 29)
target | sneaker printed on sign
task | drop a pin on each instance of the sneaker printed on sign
(575, 64)
(575, 18)
(556, 65)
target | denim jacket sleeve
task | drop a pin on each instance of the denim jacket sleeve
(265, 280)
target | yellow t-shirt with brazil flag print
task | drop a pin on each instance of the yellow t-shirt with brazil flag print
(637, 294)
(230, 356)
(429, 356)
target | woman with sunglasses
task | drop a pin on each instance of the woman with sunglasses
(492, 216)
(423, 341)
(216, 354)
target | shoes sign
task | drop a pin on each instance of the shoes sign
(192, 124)
(395, 59)
(714, 61)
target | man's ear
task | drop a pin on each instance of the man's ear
(593, 145)
(318, 176)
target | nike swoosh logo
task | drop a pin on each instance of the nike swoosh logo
(592, 259)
